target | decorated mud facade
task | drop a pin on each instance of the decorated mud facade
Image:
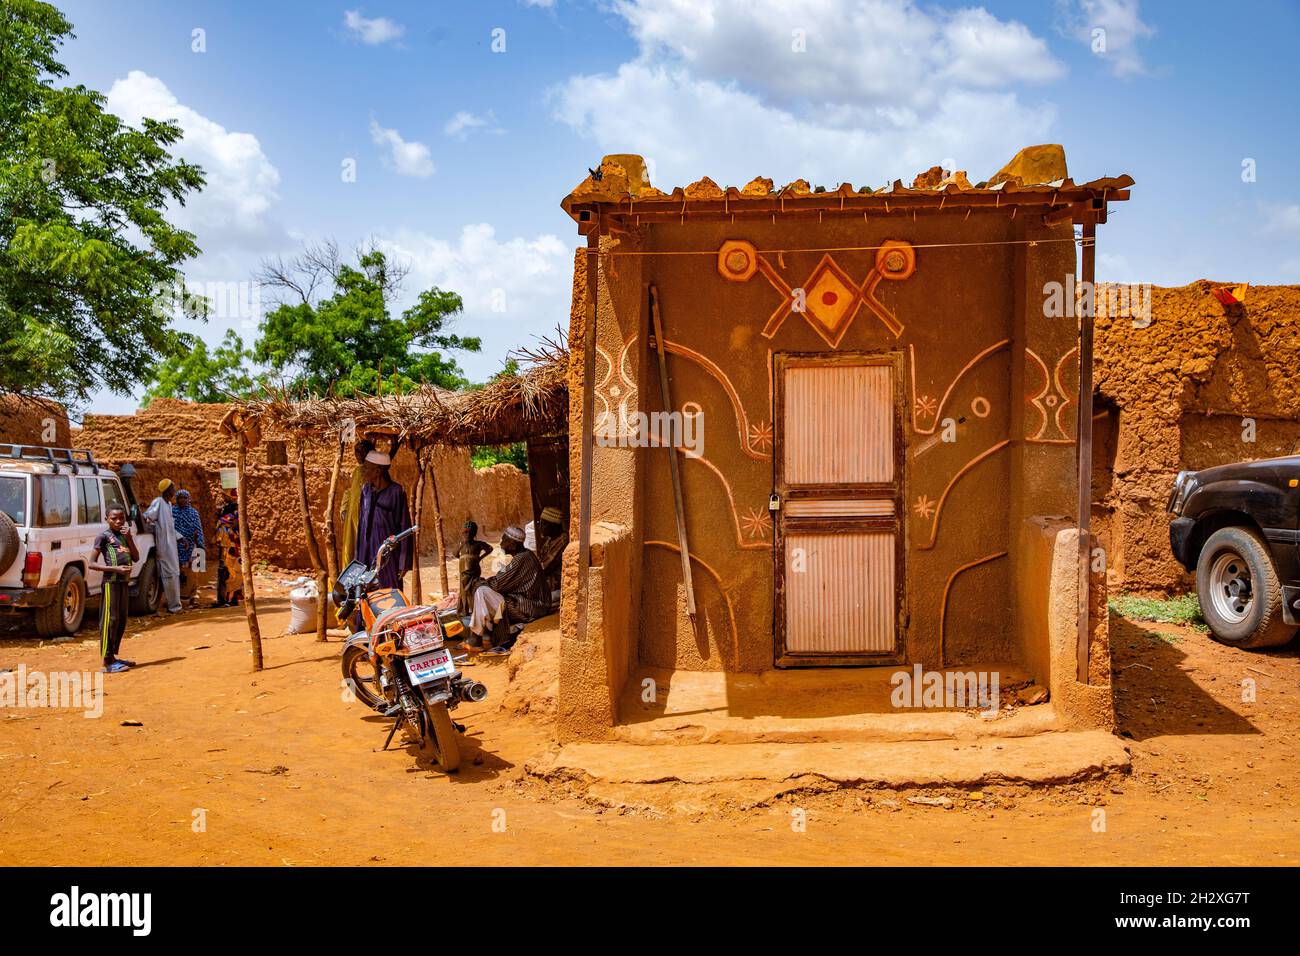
(878, 456)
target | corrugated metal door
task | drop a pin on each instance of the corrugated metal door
(838, 533)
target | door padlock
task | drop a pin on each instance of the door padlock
(774, 502)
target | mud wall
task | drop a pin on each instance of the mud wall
(179, 440)
(33, 421)
(1203, 384)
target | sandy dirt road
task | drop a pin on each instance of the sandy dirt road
(282, 771)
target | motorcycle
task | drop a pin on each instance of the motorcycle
(398, 663)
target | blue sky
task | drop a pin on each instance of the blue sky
(462, 152)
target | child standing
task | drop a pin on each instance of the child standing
(115, 553)
(471, 554)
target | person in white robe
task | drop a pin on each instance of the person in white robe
(161, 522)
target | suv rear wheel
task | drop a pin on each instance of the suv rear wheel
(148, 593)
(1239, 591)
(64, 614)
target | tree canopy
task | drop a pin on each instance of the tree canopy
(349, 341)
(200, 375)
(85, 245)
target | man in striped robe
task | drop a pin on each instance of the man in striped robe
(514, 595)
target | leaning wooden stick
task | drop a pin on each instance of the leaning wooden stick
(245, 555)
(673, 465)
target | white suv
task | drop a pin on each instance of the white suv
(53, 505)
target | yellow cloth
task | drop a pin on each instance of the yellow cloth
(351, 517)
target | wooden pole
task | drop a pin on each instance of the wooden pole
(588, 435)
(245, 555)
(674, 466)
(313, 547)
(331, 504)
(1085, 441)
(437, 526)
(417, 587)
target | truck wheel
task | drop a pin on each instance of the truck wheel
(64, 614)
(148, 595)
(8, 542)
(1239, 592)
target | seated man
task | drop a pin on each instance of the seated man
(514, 595)
(551, 542)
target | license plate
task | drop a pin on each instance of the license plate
(429, 667)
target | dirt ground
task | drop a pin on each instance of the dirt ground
(229, 767)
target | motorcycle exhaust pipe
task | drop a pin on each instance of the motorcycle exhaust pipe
(471, 691)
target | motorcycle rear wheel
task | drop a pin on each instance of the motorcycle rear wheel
(441, 733)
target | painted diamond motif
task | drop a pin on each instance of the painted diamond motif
(831, 300)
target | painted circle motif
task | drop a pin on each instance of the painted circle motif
(737, 260)
(829, 298)
(980, 407)
(896, 259)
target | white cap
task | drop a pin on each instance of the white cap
(514, 532)
(378, 458)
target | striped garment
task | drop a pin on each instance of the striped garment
(523, 586)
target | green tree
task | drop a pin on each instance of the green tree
(349, 341)
(202, 376)
(85, 247)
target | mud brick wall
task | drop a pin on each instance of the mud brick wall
(179, 440)
(1174, 395)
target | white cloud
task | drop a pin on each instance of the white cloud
(1283, 221)
(690, 128)
(867, 52)
(464, 122)
(881, 89)
(408, 158)
(242, 182)
(1122, 28)
(539, 3)
(513, 290)
(372, 31)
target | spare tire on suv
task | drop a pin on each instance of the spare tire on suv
(8, 542)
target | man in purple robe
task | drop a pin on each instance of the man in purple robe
(383, 512)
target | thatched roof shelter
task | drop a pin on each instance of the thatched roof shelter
(530, 404)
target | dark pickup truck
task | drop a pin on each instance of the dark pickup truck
(1238, 528)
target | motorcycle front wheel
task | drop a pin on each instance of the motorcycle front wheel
(440, 731)
(361, 676)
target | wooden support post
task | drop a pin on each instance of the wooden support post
(313, 546)
(331, 506)
(1085, 439)
(245, 555)
(437, 525)
(417, 586)
(674, 466)
(588, 435)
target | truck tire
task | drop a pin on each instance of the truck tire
(8, 542)
(65, 613)
(148, 595)
(1239, 593)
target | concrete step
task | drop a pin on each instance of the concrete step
(805, 706)
(1043, 759)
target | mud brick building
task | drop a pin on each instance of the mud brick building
(889, 470)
